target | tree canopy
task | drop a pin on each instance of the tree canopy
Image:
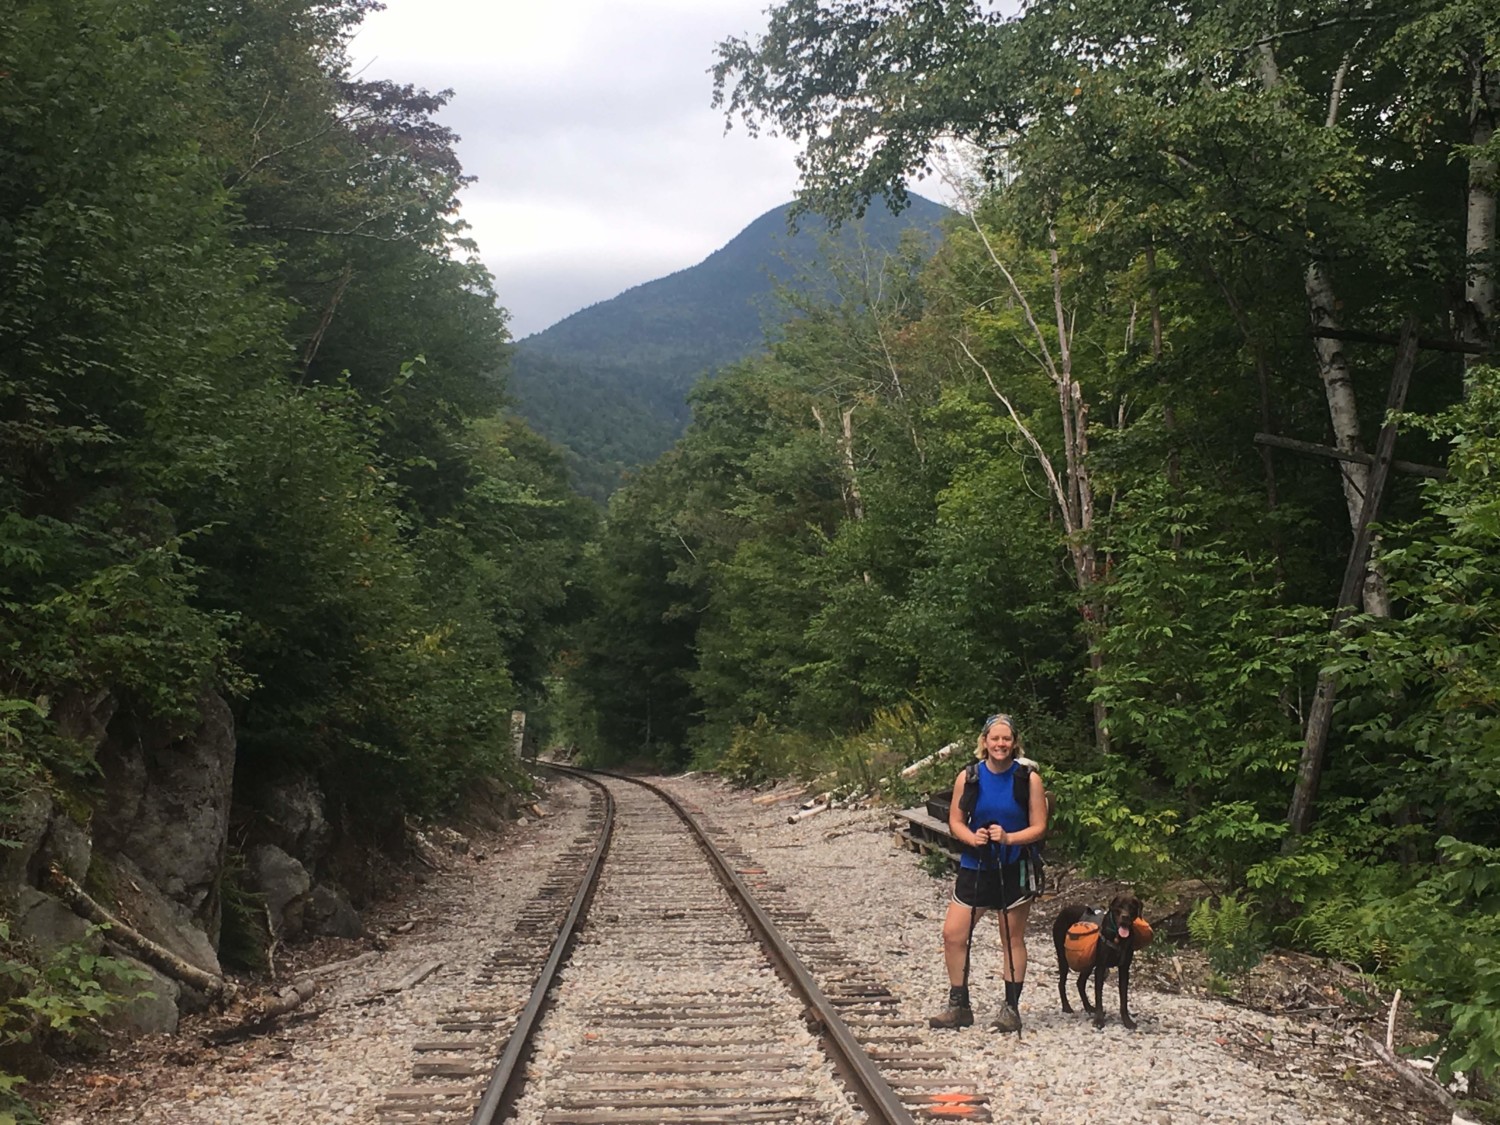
(253, 427)
(1103, 462)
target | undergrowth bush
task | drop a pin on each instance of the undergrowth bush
(45, 998)
(1432, 931)
(244, 936)
(867, 763)
(762, 752)
(1106, 829)
(1447, 933)
(870, 762)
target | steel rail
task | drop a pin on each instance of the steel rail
(505, 1080)
(874, 1093)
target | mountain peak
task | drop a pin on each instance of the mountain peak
(610, 381)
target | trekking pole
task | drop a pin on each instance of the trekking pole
(1008, 964)
(969, 947)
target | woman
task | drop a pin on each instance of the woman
(996, 809)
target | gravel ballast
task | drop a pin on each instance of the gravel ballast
(1192, 1059)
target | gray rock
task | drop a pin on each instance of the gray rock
(151, 1004)
(49, 923)
(164, 920)
(26, 828)
(293, 819)
(283, 883)
(329, 913)
(167, 807)
(68, 846)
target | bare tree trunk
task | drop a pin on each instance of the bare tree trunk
(1072, 490)
(1333, 365)
(1476, 324)
(326, 319)
(846, 449)
(1356, 571)
(1343, 413)
(854, 502)
(849, 482)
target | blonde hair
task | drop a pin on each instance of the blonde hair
(1017, 749)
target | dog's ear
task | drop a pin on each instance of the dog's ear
(1137, 908)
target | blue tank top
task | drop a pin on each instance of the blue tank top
(996, 805)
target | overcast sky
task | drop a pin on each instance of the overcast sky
(600, 163)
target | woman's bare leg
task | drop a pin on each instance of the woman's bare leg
(957, 930)
(1012, 939)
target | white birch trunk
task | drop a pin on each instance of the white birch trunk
(1072, 490)
(846, 417)
(1333, 366)
(1478, 323)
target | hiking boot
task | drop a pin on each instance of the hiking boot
(1008, 1020)
(953, 1016)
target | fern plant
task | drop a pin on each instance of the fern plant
(1346, 929)
(1226, 932)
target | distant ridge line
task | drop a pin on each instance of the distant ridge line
(609, 382)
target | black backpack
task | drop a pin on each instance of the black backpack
(1020, 780)
(1033, 870)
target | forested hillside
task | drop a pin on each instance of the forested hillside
(1111, 461)
(610, 383)
(276, 566)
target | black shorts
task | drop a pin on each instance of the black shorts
(993, 889)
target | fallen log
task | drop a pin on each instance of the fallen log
(1412, 1076)
(805, 813)
(216, 988)
(415, 977)
(264, 1014)
(288, 998)
(913, 769)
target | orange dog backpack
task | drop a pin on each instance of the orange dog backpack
(1082, 942)
(1082, 939)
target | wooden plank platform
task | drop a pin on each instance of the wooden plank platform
(920, 831)
(919, 817)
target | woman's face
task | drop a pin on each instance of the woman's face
(999, 740)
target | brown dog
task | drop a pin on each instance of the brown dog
(1115, 949)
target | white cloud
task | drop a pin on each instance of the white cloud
(600, 162)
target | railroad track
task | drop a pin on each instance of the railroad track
(668, 992)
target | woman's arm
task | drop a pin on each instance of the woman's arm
(1039, 810)
(958, 823)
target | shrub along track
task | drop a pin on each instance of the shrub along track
(677, 1000)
